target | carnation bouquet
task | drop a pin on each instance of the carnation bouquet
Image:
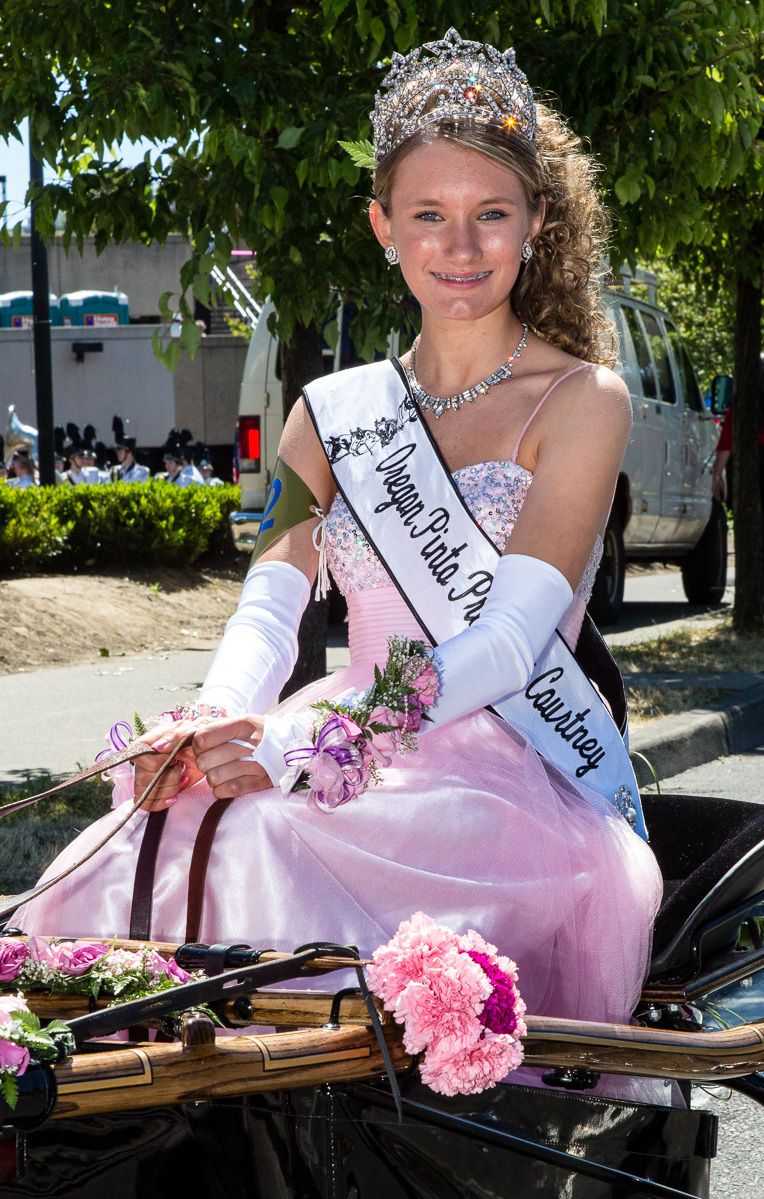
(355, 736)
(458, 1001)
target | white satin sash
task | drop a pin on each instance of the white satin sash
(402, 496)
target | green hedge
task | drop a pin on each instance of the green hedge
(50, 527)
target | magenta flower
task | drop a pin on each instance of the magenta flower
(13, 954)
(13, 1057)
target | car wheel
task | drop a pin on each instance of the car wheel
(704, 569)
(607, 593)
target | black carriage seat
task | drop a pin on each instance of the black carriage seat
(711, 855)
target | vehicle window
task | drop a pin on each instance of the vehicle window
(660, 357)
(625, 366)
(692, 396)
(644, 361)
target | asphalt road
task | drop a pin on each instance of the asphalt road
(738, 1171)
(54, 720)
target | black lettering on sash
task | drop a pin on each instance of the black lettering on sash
(548, 702)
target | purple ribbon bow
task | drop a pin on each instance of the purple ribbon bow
(336, 742)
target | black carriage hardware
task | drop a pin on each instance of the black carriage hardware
(488, 1133)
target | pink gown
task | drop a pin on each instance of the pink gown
(474, 829)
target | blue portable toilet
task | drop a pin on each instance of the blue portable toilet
(16, 310)
(94, 309)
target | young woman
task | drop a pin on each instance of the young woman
(487, 203)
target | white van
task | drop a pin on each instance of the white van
(663, 510)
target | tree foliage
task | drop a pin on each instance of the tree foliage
(246, 102)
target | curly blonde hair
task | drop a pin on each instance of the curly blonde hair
(558, 292)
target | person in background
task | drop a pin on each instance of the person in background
(189, 473)
(3, 469)
(206, 470)
(128, 470)
(721, 484)
(82, 455)
(22, 466)
(179, 459)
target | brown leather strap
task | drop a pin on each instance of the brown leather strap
(145, 869)
(9, 903)
(198, 870)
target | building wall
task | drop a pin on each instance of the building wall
(143, 273)
(124, 378)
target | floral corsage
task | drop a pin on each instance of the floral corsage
(352, 739)
(458, 1002)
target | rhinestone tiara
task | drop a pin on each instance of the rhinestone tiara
(451, 78)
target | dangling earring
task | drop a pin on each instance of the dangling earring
(526, 253)
(391, 254)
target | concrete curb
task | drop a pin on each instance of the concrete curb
(676, 743)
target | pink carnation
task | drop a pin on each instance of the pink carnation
(406, 956)
(9, 1005)
(13, 1057)
(474, 1069)
(13, 954)
(443, 1010)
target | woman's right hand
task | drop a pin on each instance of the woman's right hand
(182, 774)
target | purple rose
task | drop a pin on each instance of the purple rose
(13, 954)
(13, 1057)
(76, 957)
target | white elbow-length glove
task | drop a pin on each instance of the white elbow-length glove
(259, 646)
(483, 664)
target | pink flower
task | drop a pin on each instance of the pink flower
(13, 1057)
(410, 721)
(407, 955)
(426, 686)
(442, 1011)
(9, 1005)
(384, 746)
(159, 965)
(120, 960)
(13, 954)
(472, 941)
(327, 782)
(475, 1068)
(72, 957)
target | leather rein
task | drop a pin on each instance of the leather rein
(9, 903)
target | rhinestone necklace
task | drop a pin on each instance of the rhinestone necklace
(440, 404)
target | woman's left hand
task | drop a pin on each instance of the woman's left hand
(229, 771)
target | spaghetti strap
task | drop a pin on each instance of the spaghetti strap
(547, 393)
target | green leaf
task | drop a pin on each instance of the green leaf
(289, 137)
(361, 152)
(190, 336)
(627, 189)
(9, 1088)
(17, 235)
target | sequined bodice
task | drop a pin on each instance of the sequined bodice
(494, 492)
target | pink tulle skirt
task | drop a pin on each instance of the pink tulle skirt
(474, 829)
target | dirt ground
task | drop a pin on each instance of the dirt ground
(58, 620)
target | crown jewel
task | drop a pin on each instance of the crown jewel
(451, 78)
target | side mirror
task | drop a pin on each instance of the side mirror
(721, 394)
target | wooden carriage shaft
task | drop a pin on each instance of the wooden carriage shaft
(121, 1079)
